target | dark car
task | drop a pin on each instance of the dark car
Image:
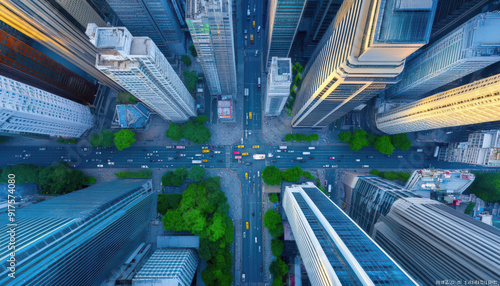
(143, 149)
(388, 156)
(302, 161)
(273, 161)
(212, 147)
(338, 161)
(248, 164)
(294, 160)
(310, 158)
(176, 158)
(369, 157)
(342, 157)
(212, 156)
(220, 161)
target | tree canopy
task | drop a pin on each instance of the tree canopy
(104, 139)
(273, 198)
(186, 60)
(197, 173)
(384, 145)
(302, 137)
(192, 49)
(358, 140)
(124, 138)
(271, 218)
(272, 176)
(191, 78)
(278, 267)
(277, 247)
(345, 136)
(138, 174)
(194, 130)
(486, 186)
(401, 141)
(168, 201)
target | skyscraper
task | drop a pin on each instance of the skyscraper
(21, 62)
(28, 110)
(172, 266)
(432, 241)
(80, 237)
(279, 79)
(80, 13)
(472, 46)
(162, 21)
(136, 64)
(335, 251)
(473, 103)
(211, 26)
(363, 51)
(41, 22)
(283, 20)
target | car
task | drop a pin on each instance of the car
(204, 147)
(155, 151)
(111, 163)
(278, 151)
(246, 175)
(369, 157)
(169, 147)
(366, 166)
(258, 173)
(212, 147)
(255, 239)
(217, 152)
(247, 224)
(144, 167)
(255, 146)
(248, 163)
(273, 161)
(42, 149)
(358, 160)
(143, 149)
(63, 157)
(182, 155)
(342, 157)
(244, 154)
(278, 157)
(176, 158)
(160, 160)
(335, 166)
(246, 31)
(205, 151)
(236, 152)
(152, 161)
(302, 161)
(299, 158)
(220, 161)
(331, 158)
(338, 161)
(98, 153)
(310, 158)
(241, 146)
(291, 151)
(387, 156)
(326, 166)
(130, 160)
(294, 160)
(100, 166)
(19, 156)
(399, 157)
(205, 160)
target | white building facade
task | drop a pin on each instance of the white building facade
(469, 48)
(279, 79)
(481, 148)
(28, 110)
(136, 64)
(362, 52)
(474, 103)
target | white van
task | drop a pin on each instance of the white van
(312, 148)
(306, 153)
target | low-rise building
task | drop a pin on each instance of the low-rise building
(134, 116)
(278, 86)
(438, 184)
(481, 148)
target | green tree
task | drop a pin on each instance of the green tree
(292, 174)
(308, 175)
(124, 138)
(90, 180)
(229, 235)
(61, 179)
(277, 281)
(191, 78)
(181, 172)
(358, 140)
(174, 132)
(345, 136)
(125, 98)
(217, 226)
(289, 137)
(167, 201)
(272, 176)
(375, 172)
(67, 140)
(207, 249)
(271, 219)
(470, 207)
(312, 137)
(192, 49)
(170, 179)
(401, 141)
(3, 139)
(371, 138)
(197, 173)
(278, 267)
(201, 119)
(384, 145)
(173, 220)
(277, 247)
(278, 231)
(186, 60)
(273, 198)
(138, 174)
(486, 186)
(196, 132)
(103, 138)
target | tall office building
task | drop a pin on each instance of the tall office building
(482, 148)
(23, 63)
(27, 110)
(473, 103)
(363, 51)
(472, 46)
(78, 238)
(136, 64)
(335, 251)
(211, 26)
(160, 20)
(80, 13)
(279, 79)
(430, 240)
(40, 21)
(283, 19)
(168, 267)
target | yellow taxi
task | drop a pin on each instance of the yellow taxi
(246, 175)
(241, 146)
(250, 115)
(205, 151)
(247, 224)
(204, 147)
(255, 146)
(205, 160)
(244, 154)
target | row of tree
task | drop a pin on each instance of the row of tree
(297, 70)
(202, 209)
(302, 137)
(106, 138)
(278, 268)
(179, 175)
(194, 130)
(138, 174)
(486, 186)
(402, 176)
(273, 176)
(54, 180)
(384, 144)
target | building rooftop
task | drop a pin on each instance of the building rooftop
(281, 70)
(131, 115)
(425, 181)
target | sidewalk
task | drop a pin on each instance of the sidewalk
(266, 241)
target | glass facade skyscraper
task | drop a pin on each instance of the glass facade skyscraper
(77, 238)
(335, 251)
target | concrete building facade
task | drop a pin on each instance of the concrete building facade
(481, 148)
(334, 250)
(474, 103)
(27, 110)
(469, 48)
(211, 26)
(430, 240)
(279, 79)
(136, 64)
(362, 52)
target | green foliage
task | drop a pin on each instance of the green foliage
(371, 138)
(194, 130)
(90, 180)
(197, 173)
(345, 136)
(104, 139)
(68, 140)
(272, 176)
(271, 219)
(138, 174)
(192, 49)
(3, 139)
(208, 249)
(292, 174)
(318, 182)
(358, 140)
(278, 231)
(186, 60)
(167, 201)
(277, 247)
(126, 98)
(273, 198)
(297, 68)
(323, 190)
(312, 137)
(277, 281)
(384, 145)
(278, 267)
(191, 78)
(388, 175)
(174, 132)
(470, 208)
(375, 172)
(486, 186)
(308, 175)
(201, 119)
(124, 138)
(401, 141)
(174, 178)
(301, 137)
